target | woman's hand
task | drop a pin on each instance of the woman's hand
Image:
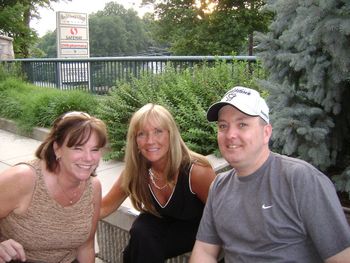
(11, 250)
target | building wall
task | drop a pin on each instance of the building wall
(6, 48)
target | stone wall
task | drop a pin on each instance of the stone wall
(6, 48)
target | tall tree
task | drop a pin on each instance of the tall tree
(48, 45)
(209, 27)
(115, 31)
(15, 16)
(307, 55)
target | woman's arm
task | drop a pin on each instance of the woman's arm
(86, 252)
(16, 190)
(200, 180)
(114, 198)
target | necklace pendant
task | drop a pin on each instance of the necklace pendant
(152, 177)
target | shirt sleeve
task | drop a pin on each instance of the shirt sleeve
(321, 211)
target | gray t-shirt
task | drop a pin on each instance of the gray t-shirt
(287, 211)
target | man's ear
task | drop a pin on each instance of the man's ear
(267, 133)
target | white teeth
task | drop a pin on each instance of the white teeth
(152, 150)
(232, 146)
(84, 166)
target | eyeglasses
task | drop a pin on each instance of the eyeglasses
(75, 113)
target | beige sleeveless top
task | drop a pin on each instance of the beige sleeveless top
(49, 232)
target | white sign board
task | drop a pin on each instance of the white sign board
(72, 35)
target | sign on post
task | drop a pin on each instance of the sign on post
(72, 35)
(73, 42)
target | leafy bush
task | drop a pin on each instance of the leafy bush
(32, 106)
(46, 106)
(9, 70)
(187, 95)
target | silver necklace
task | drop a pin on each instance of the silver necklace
(152, 177)
(75, 193)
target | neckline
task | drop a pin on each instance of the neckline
(257, 173)
(51, 198)
(155, 197)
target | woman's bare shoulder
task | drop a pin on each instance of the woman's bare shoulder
(16, 184)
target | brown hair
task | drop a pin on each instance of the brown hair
(135, 174)
(77, 127)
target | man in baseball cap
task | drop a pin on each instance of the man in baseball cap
(246, 100)
(270, 207)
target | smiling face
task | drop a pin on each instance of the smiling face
(153, 142)
(79, 161)
(243, 140)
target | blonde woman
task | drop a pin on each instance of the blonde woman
(166, 182)
(49, 207)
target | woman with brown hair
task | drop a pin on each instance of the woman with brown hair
(166, 182)
(50, 206)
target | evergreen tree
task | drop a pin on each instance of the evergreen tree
(307, 55)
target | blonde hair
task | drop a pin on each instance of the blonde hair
(77, 127)
(135, 174)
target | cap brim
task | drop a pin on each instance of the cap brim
(213, 111)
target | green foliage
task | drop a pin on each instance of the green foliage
(15, 16)
(32, 106)
(187, 95)
(307, 56)
(48, 45)
(10, 70)
(209, 27)
(13, 25)
(115, 31)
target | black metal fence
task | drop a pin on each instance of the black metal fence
(99, 75)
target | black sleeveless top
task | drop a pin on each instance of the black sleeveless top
(183, 204)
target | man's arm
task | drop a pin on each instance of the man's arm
(204, 253)
(341, 257)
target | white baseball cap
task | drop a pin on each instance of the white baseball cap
(244, 99)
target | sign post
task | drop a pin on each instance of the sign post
(73, 42)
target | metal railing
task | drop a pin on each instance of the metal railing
(99, 75)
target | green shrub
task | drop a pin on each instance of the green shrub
(32, 106)
(187, 95)
(10, 70)
(48, 104)
(13, 96)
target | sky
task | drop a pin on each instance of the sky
(47, 22)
